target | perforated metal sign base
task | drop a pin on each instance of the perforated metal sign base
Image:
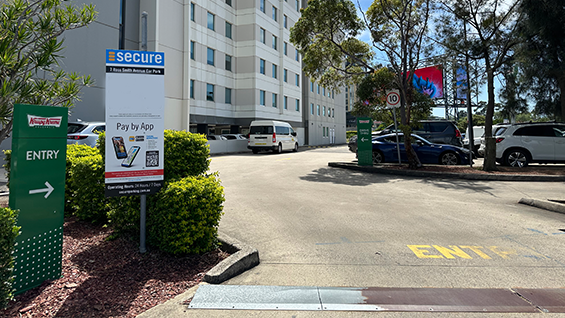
(298, 298)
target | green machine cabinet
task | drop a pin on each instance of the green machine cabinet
(37, 190)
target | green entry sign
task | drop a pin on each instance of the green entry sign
(364, 142)
(37, 189)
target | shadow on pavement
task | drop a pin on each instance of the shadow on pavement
(451, 184)
(347, 177)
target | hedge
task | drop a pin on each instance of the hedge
(8, 233)
(185, 217)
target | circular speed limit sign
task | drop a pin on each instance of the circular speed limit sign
(393, 99)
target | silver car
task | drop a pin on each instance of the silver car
(84, 133)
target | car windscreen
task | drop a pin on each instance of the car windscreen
(261, 130)
(75, 128)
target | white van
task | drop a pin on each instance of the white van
(271, 135)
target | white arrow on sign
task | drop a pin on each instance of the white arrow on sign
(364, 139)
(49, 189)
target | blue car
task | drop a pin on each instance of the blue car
(384, 150)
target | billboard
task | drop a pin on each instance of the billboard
(461, 82)
(135, 104)
(429, 81)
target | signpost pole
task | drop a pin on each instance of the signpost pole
(143, 198)
(396, 130)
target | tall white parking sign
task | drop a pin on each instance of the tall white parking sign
(135, 102)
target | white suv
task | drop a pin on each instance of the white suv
(519, 144)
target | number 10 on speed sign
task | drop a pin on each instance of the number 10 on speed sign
(393, 98)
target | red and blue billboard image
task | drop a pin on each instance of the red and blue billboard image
(429, 81)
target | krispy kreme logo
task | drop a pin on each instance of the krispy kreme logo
(38, 121)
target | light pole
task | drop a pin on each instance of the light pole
(470, 135)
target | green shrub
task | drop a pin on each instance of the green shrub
(350, 133)
(7, 167)
(8, 233)
(186, 154)
(74, 153)
(184, 218)
(101, 145)
(87, 185)
(123, 214)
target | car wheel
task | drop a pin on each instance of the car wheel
(516, 158)
(255, 151)
(378, 157)
(295, 147)
(449, 158)
(279, 149)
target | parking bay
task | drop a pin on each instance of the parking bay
(319, 226)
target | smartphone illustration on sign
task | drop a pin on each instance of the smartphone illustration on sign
(119, 147)
(131, 156)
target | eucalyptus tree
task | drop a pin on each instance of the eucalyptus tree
(326, 35)
(542, 55)
(30, 44)
(492, 37)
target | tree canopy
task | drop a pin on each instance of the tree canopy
(30, 44)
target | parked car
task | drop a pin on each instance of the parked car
(84, 133)
(216, 137)
(478, 132)
(384, 150)
(235, 136)
(436, 131)
(518, 145)
(495, 130)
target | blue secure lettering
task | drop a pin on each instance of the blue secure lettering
(133, 57)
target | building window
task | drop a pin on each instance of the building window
(333, 112)
(285, 74)
(228, 30)
(318, 88)
(228, 95)
(275, 97)
(274, 71)
(262, 35)
(297, 79)
(210, 58)
(228, 62)
(192, 50)
(262, 66)
(192, 9)
(211, 19)
(210, 92)
(324, 113)
(297, 6)
(312, 108)
(262, 5)
(228, 2)
(297, 105)
(262, 98)
(285, 102)
(318, 110)
(285, 21)
(274, 13)
(275, 40)
(312, 87)
(324, 91)
(296, 55)
(191, 88)
(285, 47)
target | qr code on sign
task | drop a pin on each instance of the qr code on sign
(152, 158)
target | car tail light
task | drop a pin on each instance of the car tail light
(274, 137)
(457, 133)
(77, 137)
(499, 139)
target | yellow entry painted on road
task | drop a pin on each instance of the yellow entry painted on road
(460, 251)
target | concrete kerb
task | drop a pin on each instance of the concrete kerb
(446, 175)
(242, 258)
(544, 204)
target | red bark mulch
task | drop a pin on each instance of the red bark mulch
(103, 278)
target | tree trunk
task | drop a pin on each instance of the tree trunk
(561, 81)
(490, 154)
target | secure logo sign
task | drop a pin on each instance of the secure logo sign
(135, 57)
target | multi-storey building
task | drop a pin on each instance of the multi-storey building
(227, 63)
